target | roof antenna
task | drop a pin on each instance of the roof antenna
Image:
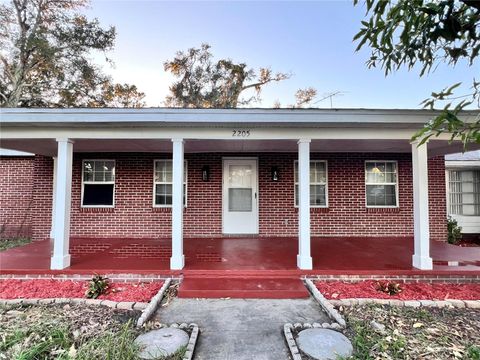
(330, 96)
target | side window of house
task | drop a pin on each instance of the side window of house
(381, 183)
(163, 181)
(98, 183)
(318, 183)
(464, 192)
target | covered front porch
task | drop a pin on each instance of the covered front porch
(178, 132)
(242, 255)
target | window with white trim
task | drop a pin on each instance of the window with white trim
(98, 183)
(163, 183)
(464, 192)
(318, 183)
(381, 183)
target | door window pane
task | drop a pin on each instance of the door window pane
(240, 176)
(240, 199)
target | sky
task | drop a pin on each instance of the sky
(311, 40)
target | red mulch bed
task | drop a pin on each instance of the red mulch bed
(42, 289)
(410, 291)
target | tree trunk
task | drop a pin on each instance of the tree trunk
(13, 99)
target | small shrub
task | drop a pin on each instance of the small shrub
(473, 352)
(11, 243)
(454, 231)
(96, 287)
(389, 287)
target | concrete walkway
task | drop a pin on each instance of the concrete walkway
(241, 329)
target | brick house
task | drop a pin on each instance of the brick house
(184, 173)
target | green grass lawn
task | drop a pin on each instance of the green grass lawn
(6, 244)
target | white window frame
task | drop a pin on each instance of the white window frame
(185, 183)
(98, 182)
(295, 166)
(449, 190)
(397, 188)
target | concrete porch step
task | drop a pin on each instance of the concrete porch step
(242, 287)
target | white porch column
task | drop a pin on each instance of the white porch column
(52, 226)
(177, 261)
(304, 259)
(421, 258)
(63, 188)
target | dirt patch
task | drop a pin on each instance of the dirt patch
(426, 333)
(410, 291)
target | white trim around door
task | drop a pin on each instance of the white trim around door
(240, 196)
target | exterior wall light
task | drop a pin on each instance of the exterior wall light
(206, 173)
(275, 173)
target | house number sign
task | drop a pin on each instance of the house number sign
(240, 133)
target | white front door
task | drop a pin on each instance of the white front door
(240, 196)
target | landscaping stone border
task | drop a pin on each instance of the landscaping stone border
(86, 277)
(325, 304)
(426, 278)
(153, 304)
(194, 332)
(292, 344)
(123, 305)
(452, 303)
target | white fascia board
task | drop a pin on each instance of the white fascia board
(463, 164)
(179, 117)
(6, 152)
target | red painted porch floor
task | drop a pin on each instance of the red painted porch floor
(254, 256)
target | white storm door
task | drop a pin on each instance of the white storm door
(240, 196)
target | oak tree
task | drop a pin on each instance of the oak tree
(203, 82)
(45, 48)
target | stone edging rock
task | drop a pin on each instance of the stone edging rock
(123, 305)
(292, 344)
(153, 304)
(325, 304)
(452, 303)
(192, 339)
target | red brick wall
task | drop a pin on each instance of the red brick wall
(133, 215)
(42, 197)
(16, 174)
(437, 198)
(346, 214)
